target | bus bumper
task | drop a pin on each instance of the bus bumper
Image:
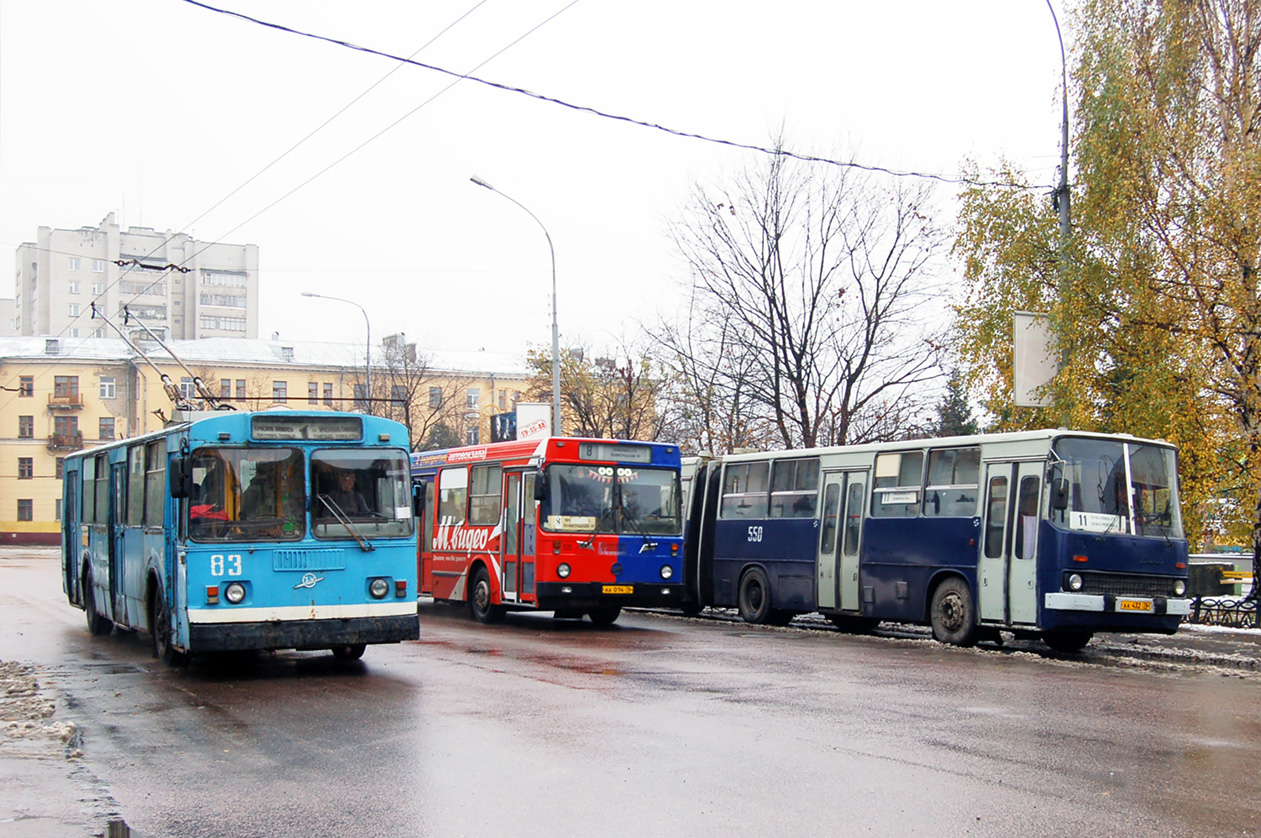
(582, 596)
(302, 634)
(1111, 604)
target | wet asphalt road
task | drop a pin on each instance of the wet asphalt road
(657, 726)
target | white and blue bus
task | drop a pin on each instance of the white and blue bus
(1050, 533)
(274, 529)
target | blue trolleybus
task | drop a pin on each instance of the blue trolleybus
(1044, 533)
(269, 530)
(572, 526)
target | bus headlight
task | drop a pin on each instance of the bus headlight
(379, 588)
(1179, 587)
(562, 570)
(666, 571)
(1074, 582)
(234, 593)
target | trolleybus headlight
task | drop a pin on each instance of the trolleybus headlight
(666, 571)
(234, 593)
(379, 588)
(1074, 581)
(562, 570)
(1179, 587)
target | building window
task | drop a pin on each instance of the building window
(225, 388)
(328, 394)
(503, 399)
(61, 467)
(473, 435)
(435, 397)
(108, 390)
(187, 389)
(398, 394)
(313, 392)
(240, 388)
(57, 509)
(361, 397)
(98, 288)
(74, 309)
(26, 508)
(74, 263)
(279, 391)
(99, 333)
(65, 386)
(26, 386)
(98, 266)
(26, 468)
(107, 427)
(74, 333)
(474, 399)
(26, 427)
(66, 427)
(74, 286)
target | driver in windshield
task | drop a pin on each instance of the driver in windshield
(346, 498)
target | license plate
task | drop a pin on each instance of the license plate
(618, 589)
(1135, 605)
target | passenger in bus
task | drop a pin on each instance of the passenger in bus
(345, 498)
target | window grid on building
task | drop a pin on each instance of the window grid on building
(26, 468)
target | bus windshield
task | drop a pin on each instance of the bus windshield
(247, 494)
(612, 499)
(1116, 486)
(360, 492)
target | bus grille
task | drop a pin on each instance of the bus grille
(303, 560)
(1127, 584)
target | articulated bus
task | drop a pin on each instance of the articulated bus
(1050, 533)
(572, 526)
(235, 531)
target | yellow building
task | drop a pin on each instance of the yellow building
(59, 395)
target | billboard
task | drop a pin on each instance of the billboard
(1034, 361)
(534, 421)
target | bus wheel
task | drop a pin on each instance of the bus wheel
(479, 604)
(605, 616)
(1066, 640)
(754, 599)
(160, 627)
(99, 626)
(349, 652)
(952, 615)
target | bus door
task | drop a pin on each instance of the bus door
(117, 544)
(510, 557)
(844, 494)
(70, 534)
(1007, 566)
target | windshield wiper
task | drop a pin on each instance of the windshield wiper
(629, 516)
(606, 515)
(340, 515)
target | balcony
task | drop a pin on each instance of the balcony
(71, 401)
(66, 442)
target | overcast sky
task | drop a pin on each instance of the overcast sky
(159, 110)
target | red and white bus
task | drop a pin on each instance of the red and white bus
(573, 526)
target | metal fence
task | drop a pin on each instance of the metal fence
(1236, 612)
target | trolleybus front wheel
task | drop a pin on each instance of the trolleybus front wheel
(605, 616)
(160, 627)
(754, 597)
(479, 601)
(952, 615)
(1066, 640)
(99, 626)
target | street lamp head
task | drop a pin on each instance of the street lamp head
(482, 183)
(309, 294)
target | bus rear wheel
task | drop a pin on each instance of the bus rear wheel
(952, 615)
(605, 616)
(1066, 640)
(98, 626)
(480, 606)
(754, 598)
(160, 628)
(349, 652)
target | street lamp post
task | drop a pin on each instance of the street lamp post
(555, 329)
(367, 358)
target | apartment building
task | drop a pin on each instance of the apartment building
(59, 395)
(181, 287)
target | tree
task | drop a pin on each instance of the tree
(415, 395)
(954, 416)
(809, 306)
(1155, 303)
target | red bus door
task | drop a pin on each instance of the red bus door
(510, 556)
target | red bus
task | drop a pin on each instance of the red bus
(572, 526)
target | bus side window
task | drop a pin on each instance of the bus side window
(1027, 518)
(996, 517)
(452, 495)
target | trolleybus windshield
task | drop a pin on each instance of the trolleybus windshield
(247, 494)
(1112, 486)
(630, 500)
(360, 491)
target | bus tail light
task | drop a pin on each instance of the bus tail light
(234, 593)
(212, 594)
(1082, 559)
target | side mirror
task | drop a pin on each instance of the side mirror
(1060, 490)
(181, 477)
(418, 499)
(540, 488)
